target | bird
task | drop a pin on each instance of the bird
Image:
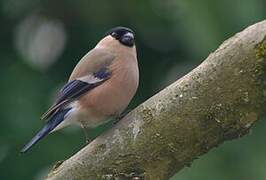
(99, 88)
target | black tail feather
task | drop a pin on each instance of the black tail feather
(49, 126)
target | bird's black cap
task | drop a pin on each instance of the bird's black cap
(119, 30)
(124, 35)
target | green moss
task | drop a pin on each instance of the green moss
(260, 69)
(147, 114)
(260, 49)
(101, 148)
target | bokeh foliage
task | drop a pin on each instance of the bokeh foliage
(41, 41)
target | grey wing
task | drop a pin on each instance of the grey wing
(76, 88)
(91, 71)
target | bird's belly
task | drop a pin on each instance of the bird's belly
(113, 96)
(109, 100)
(86, 118)
(81, 117)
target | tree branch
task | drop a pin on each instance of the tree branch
(219, 100)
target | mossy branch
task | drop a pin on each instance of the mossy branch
(219, 100)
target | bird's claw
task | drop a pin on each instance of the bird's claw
(88, 141)
(120, 116)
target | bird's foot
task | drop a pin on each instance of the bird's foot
(57, 164)
(88, 140)
(120, 116)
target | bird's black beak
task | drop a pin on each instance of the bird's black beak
(128, 39)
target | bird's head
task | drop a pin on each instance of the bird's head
(122, 34)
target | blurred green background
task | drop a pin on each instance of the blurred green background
(41, 41)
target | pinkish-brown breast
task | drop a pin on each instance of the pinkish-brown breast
(114, 95)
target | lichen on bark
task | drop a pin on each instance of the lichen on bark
(260, 49)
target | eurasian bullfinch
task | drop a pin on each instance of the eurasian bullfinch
(100, 87)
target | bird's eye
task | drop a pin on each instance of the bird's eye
(114, 34)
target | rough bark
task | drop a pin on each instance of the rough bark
(217, 101)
